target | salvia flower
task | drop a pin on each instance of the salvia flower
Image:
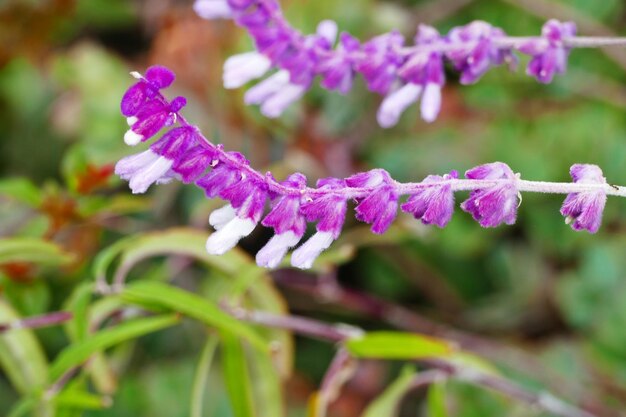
(433, 204)
(583, 211)
(476, 51)
(548, 52)
(183, 153)
(380, 206)
(497, 204)
(402, 73)
(424, 76)
(287, 221)
(329, 211)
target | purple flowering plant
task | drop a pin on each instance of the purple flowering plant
(183, 153)
(307, 238)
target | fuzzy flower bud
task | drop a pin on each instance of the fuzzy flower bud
(288, 224)
(497, 204)
(583, 211)
(329, 210)
(549, 53)
(433, 204)
(380, 206)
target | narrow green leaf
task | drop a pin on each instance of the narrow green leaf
(266, 385)
(202, 374)
(23, 407)
(79, 352)
(236, 376)
(81, 400)
(39, 251)
(78, 304)
(22, 190)
(155, 294)
(388, 403)
(398, 345)
(436, 400)
(21, 355)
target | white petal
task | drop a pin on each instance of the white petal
(219, 217)
(227, 237)
(131, 138)
(274, 251)
(239, 69)
(131, 120)
(128, 166)
(150, 174)
(212, 9)
(275, 105)
(395, 103)
(328, 29)
(305, 255)
(431, 102)
(269, 86)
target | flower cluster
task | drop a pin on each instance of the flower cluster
(183, 153)
(402, 74)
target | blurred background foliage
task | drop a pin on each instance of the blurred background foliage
(542, 302)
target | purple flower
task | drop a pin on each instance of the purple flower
(433, 204)
(193, 163)
(476, 52)
(274, 94)
(425, 76)
(288, 223)
(329, 210)
(144, 169)
(336, 69)
(155, 164)
(157, 78)
(152, 117)
(379, 207)
(238, 219)
(381, 61)
(222, 176)
(549, 53)
(585, 208)
(495, 204)
(239, 69)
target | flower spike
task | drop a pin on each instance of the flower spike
(183, 153)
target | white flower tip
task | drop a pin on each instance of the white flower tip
(131, 138)
(136, 74)
(274, 251)
(431, 102)
(305, 255)
(221, 216)
(131, 120)
(328, 30)
(212, 9)
(227, 237)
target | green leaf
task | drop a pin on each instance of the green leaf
(78, 353)
(22, 190)
(78, 304)
(398, 345)
(155, 294)
(266, 384)
(73, 398)
(436, 400)
(202, 373)
(33, 250)
(21, 355)
(388, 403)
(236, 376)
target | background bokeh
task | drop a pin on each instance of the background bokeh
(545, 304)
